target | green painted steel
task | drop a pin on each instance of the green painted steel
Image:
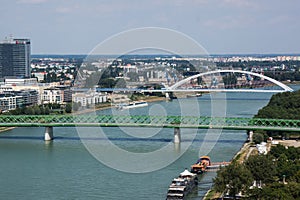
(148, 121)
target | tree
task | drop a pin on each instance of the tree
(233, 178)
(229, 80)
(76, 106)
(258, 164)
(29, 111)
(47, 110)
(107, 83)
(276, 191)
(37, 110)
(68, 108)
(121, 83)
(258, 138)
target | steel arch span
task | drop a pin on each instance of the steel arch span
(283, 86)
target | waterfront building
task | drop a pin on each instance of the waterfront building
(15, 58)
(89, 98)
(52, 95)
(9, 102)
(28, 97)
(66, 92)
(58, 94)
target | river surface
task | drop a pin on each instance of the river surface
(65, 169)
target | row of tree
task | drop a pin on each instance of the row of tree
(45, 109)
(272, 176)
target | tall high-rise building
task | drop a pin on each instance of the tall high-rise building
(15, 58)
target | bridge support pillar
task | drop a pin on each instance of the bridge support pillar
(48, 133)
(250, 136)
(177, 137)
(167, 95)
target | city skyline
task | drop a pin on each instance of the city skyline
(220, 26)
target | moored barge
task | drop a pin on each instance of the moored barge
(182, 185)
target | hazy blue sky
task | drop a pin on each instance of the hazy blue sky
(220, 26)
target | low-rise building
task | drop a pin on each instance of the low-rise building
(9, 102)
(58, 94)
(29, 97)
(89, 98)
(52, 95)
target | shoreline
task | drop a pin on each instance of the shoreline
(240, 156)
(109, 105)
(3, 129)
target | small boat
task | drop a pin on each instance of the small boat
(182, 185)
(194, 95)
(200, 166)
(134, 104)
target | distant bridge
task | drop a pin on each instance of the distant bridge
(176, 122)
(176, 86)
(281, 85)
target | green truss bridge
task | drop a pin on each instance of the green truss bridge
(176, 122)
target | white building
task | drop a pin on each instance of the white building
(52, 95)
(8, 102)
(89, 98)
(262, 148)
(20, 82)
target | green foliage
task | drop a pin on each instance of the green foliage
(288, 161)
(107, 83)
(120, 83)
(233, 178)
(229, 80)
(45, 109)
(76, 106)
(29, 111)
(292, 153)
(37, 110)
(282, 106)
(276, 191)
(68, 108)
(269, 170)
(262, 168)
(258, 137)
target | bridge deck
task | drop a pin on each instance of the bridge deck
(149, 121)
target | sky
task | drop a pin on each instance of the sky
(220, 26)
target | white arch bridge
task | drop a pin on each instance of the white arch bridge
(215, 74)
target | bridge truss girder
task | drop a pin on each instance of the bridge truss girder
(202, 122)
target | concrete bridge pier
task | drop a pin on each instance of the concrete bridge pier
(48, 133)
(177, 137)
(167, 95)
(250, 135)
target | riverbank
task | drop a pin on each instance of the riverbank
(108, 105)
(3, 129)
(245, 151)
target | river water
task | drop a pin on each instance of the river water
(65, 169)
